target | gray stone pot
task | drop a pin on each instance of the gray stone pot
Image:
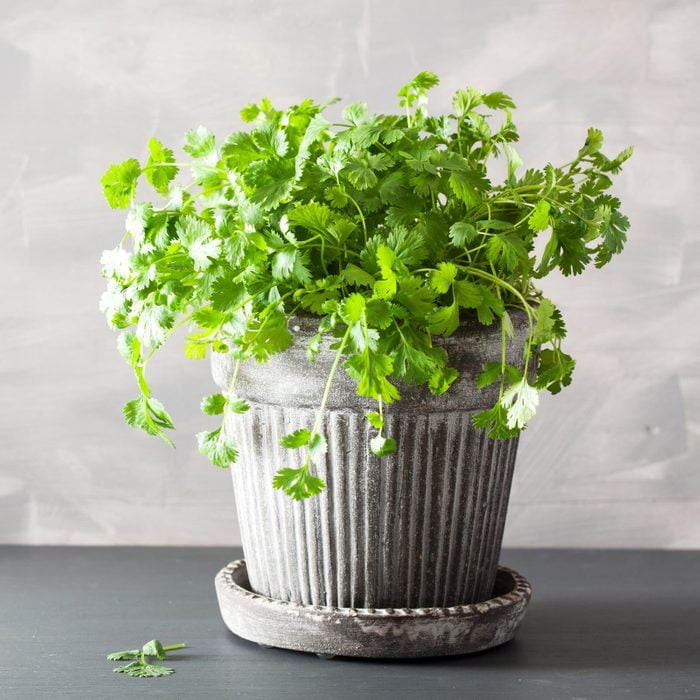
(421, 528)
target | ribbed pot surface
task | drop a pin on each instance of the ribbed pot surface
(420, 528)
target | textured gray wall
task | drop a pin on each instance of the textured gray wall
(611, 462)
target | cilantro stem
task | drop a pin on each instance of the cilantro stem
(322, 254)
(332, 247)
(234, 376)
(329, 382)
(398, 328)
(460, 121)
(569, 209)
(362, 217)
(169, 165)
(503, 359)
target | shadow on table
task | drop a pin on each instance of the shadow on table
(591, 635)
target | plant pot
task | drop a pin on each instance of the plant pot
(420, 528)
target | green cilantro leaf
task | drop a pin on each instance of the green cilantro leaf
(160, 169)
(495, 421)
(490, 306)
(490, 373)
(237, 405)
(196, 345)
(127, 655)
(593, 143)
(298, 438)
(375, 420)
(379, 313)
(417, 88)
(214, 404)
(549, 324)
(462, 233)
(498, 100)
(149, 415)
(371, 369)
(218, 446)
(356, 276)
(129, 347)
(298, 483)
(468, 295)
(442, 278)
(199, 142)
(539, 219)
(555, 370)
(444, 320)
(506, 250)
(154, 648)
(469, 186)
(317, 448)
(352, 309)
(442, 379)
(382, 446)
(119, 183)
(250, 112)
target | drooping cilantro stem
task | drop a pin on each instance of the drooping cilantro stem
(172, 647)
(329, 383)
(503, 358)
(234, 376)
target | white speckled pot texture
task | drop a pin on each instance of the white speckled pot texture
(420, 528)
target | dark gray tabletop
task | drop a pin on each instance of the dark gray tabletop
(602, 624)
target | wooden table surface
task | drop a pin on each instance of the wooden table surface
(602, 624)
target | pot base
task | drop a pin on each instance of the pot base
(372, 633)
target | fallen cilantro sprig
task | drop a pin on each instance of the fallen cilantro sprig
(387, 227)
(140, 667)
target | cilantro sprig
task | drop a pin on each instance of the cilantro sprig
(140, 666)
(387, 227)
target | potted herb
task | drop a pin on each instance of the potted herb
(367, 295)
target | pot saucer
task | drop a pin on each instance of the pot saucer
(372, 632)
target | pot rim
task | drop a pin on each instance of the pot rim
(308, 322)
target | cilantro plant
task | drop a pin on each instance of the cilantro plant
(387, 227)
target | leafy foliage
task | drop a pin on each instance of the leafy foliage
(386, 227)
